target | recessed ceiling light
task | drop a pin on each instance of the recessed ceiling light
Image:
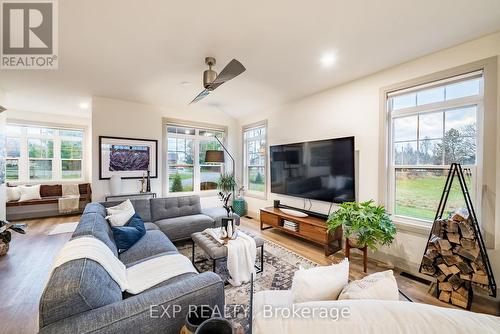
(328, 59)
(185, 83)
(84, 105)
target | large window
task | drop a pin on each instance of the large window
(254, 169)
(186, 166)
(43, 154)
(431, 127)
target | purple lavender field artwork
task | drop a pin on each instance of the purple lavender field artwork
(128, 158)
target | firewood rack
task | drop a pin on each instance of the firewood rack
(456, 171)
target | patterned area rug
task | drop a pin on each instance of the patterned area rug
(280, 265)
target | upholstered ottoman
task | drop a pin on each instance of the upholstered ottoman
(215, 251)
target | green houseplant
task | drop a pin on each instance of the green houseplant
(5, 235)
(226, 183)
(365, 224)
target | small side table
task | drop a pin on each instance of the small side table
(128, 196)
(348, 253)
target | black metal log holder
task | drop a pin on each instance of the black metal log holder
(456, 170)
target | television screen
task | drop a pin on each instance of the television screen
(321, 170)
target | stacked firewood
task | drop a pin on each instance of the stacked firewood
(453, 256)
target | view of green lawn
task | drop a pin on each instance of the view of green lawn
(418, 194)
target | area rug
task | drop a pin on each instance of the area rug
(280, 264)
(63, 228)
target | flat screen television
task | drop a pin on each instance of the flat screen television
(321, 170)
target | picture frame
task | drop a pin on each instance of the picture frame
(128, 158)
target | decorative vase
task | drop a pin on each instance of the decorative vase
(4, 248)
(354, 242)
(240, 207)
(215, 326)
(148, 182)
(115, 185)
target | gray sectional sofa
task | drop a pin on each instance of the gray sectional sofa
(81, 297)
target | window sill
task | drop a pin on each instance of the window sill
(412, 226)
(262, 196)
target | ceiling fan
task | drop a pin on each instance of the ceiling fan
(211, 80)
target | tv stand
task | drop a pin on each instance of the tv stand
(310, 228)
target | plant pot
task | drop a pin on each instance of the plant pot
(115, 185)
(354, 242)
(215, 326)
(4, 248)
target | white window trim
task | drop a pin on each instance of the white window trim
(196, 172)
(248, 192)
(486, 163)
(23, 159)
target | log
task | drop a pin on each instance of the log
(468, 243)
(444, 269)
(481, 279)
(445, 286)
(451, 260)
(454, 270)
(464, 268)
(466, 230)
(445, 296)
(453, 238)
(459, 302)
(444, 245)
(470, 254)
(463, 292)
(427, 261)
(455, 281)
(465, 277)
(428, 270)
(441, 277)
(456, 295)
(432, 254)
(460, 215)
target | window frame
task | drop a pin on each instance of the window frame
(56, 160)
(486, 143)
(197, 139)
(245, 166)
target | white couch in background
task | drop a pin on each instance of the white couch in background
(366, 316)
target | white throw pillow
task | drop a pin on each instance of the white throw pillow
(120, 214)
(124, 206)
(320, 283)
(381, 285)
(13, 194)
(29, 193)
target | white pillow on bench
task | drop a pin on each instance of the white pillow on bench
(29, 193)
(381, 286)
(13, 194)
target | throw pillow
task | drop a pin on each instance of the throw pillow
(13, 194)
(120, 214)
(29, 193)
(381, 285)
(320, 283)
(126, 236)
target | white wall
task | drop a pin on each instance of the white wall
(134, 120)
(353, 109)
(3, 199)
(59, 120)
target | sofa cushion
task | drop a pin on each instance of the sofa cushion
(171, 207)
(218, 213)
(95, 224)
(75, 287)
(182, 227)
(126, 236)
(141, 206)
(151, 244)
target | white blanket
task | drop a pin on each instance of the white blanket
(241, 254)
(134, 279)
(70, 200)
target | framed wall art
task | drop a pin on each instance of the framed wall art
(128, 158)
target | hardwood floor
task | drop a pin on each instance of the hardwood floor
(24, 271)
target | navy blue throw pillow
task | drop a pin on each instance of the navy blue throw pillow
(126, 236)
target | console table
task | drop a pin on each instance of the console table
(148, 194)
(309, 228)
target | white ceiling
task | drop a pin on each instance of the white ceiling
(143, 50)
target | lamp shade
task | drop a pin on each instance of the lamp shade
(214, 156)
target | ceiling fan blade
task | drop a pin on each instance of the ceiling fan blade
(232, 70)
(200, 96)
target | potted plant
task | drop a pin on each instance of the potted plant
(5, 235)
(365, 224)
(226, 183)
